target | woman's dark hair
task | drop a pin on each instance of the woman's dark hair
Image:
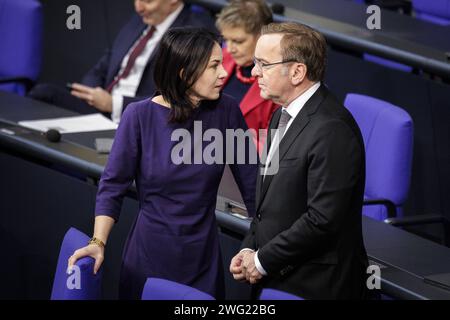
(182, 56)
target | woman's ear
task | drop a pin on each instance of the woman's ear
(181, 73)
(298, 73)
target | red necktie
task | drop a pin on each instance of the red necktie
(132, 59)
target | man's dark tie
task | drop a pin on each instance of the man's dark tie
(132, 59)
(284, 119)
(282, 123)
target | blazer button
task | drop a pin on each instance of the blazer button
(259, 217)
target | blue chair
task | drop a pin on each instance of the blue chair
(161, 289)
(387, 131)
(387, 63)
(434, 11)
(273, 294)
(20, 44)
(65, 285)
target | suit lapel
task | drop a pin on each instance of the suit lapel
(298, 125)
(302, 120)
(260, 183)
(180, 21)
(124, 46)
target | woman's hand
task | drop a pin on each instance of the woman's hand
(92, 250)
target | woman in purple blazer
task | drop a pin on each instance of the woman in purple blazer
(175, 235)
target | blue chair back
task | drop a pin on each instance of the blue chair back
(387, 131)
(273, 294)
(65, 286)
(434, 11)
(387, 63)
(20, 43)
(162, 289)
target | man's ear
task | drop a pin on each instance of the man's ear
(298, 73)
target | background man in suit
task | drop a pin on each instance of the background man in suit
(306, 238)
(125, 72)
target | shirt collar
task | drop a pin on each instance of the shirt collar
(297, 104)
(165, 25)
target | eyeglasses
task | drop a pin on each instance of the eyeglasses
(260, 65)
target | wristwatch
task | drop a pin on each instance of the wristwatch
(96, 241)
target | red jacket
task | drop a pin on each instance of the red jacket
(256, 110)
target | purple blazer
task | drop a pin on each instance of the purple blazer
(175, 235)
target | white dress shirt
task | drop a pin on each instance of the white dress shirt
(293, 109)
(129, 85)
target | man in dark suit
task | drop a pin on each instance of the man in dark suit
(306, 238)
(125, 73)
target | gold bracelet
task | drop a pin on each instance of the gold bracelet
(96, 241)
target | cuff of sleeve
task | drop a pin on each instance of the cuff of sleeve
(247, 249)
(117, 103)
(258, 265)
(107, 211)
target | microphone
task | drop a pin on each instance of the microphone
(52, 135)
(278, 8)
